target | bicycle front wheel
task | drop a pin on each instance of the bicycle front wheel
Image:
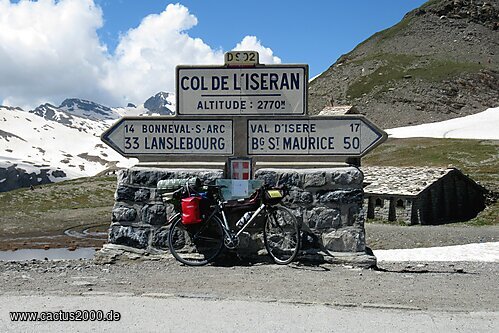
(196, 244)
(281, 235)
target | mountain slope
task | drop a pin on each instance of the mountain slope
(49, 145)
(440, 62)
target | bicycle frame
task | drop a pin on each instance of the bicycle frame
(225, 224)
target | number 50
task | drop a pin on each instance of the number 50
(349, 142)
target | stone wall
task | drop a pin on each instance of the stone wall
(139, 217)
(328, 202)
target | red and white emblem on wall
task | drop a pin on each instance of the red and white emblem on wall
(240, 168)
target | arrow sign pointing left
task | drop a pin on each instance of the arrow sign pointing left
(143, 136)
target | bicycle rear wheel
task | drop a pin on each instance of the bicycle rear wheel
(196, 244)
(281, 235)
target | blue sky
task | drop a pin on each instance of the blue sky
(119, 51)
(313, 32)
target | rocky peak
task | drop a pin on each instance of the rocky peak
(50, 112)
(482, 12)
(10, 108)
(160, 103)
(72, 104)
(88, 109)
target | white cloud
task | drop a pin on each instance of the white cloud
(146, 56)
(50, 50)
(251, 43)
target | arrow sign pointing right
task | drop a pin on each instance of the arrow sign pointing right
(347, 136)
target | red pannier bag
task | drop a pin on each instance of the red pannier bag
(191, 214)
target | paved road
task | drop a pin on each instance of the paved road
(162, 295)
(167, 313)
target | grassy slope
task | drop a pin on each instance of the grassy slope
(398, 66)
(479, 159)
(55, 207)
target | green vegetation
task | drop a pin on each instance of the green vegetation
(397, 66)
(392, 31)
(479, 159)
(58, 206)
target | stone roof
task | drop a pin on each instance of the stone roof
(339, 110)
(408, 181)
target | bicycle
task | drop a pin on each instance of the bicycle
(200, 243)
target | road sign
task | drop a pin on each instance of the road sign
(139, 136)
(241, 58)
(351, 136)
(259, 90)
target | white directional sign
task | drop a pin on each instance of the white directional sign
(341, 136)
(261, 90)
(138, 136)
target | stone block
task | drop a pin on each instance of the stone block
(290, 179)
(268, 176)
(125, 193)
(349, 239)
(347, 177)
(123, 214)
(341, 197)
(154, 214)
(160, 238)
(324, 218)
(356, 216)
(299, 197)
(328, 203)
(129, 236)
(142, 195)
(149, 177)
(315, 179)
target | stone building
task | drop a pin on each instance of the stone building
(421, 195)
(339, 110)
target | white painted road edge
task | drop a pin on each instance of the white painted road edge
(478, 252)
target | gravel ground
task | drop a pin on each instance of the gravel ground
(425, 286)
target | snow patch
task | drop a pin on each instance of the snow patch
(482, 252)
(483, 125)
